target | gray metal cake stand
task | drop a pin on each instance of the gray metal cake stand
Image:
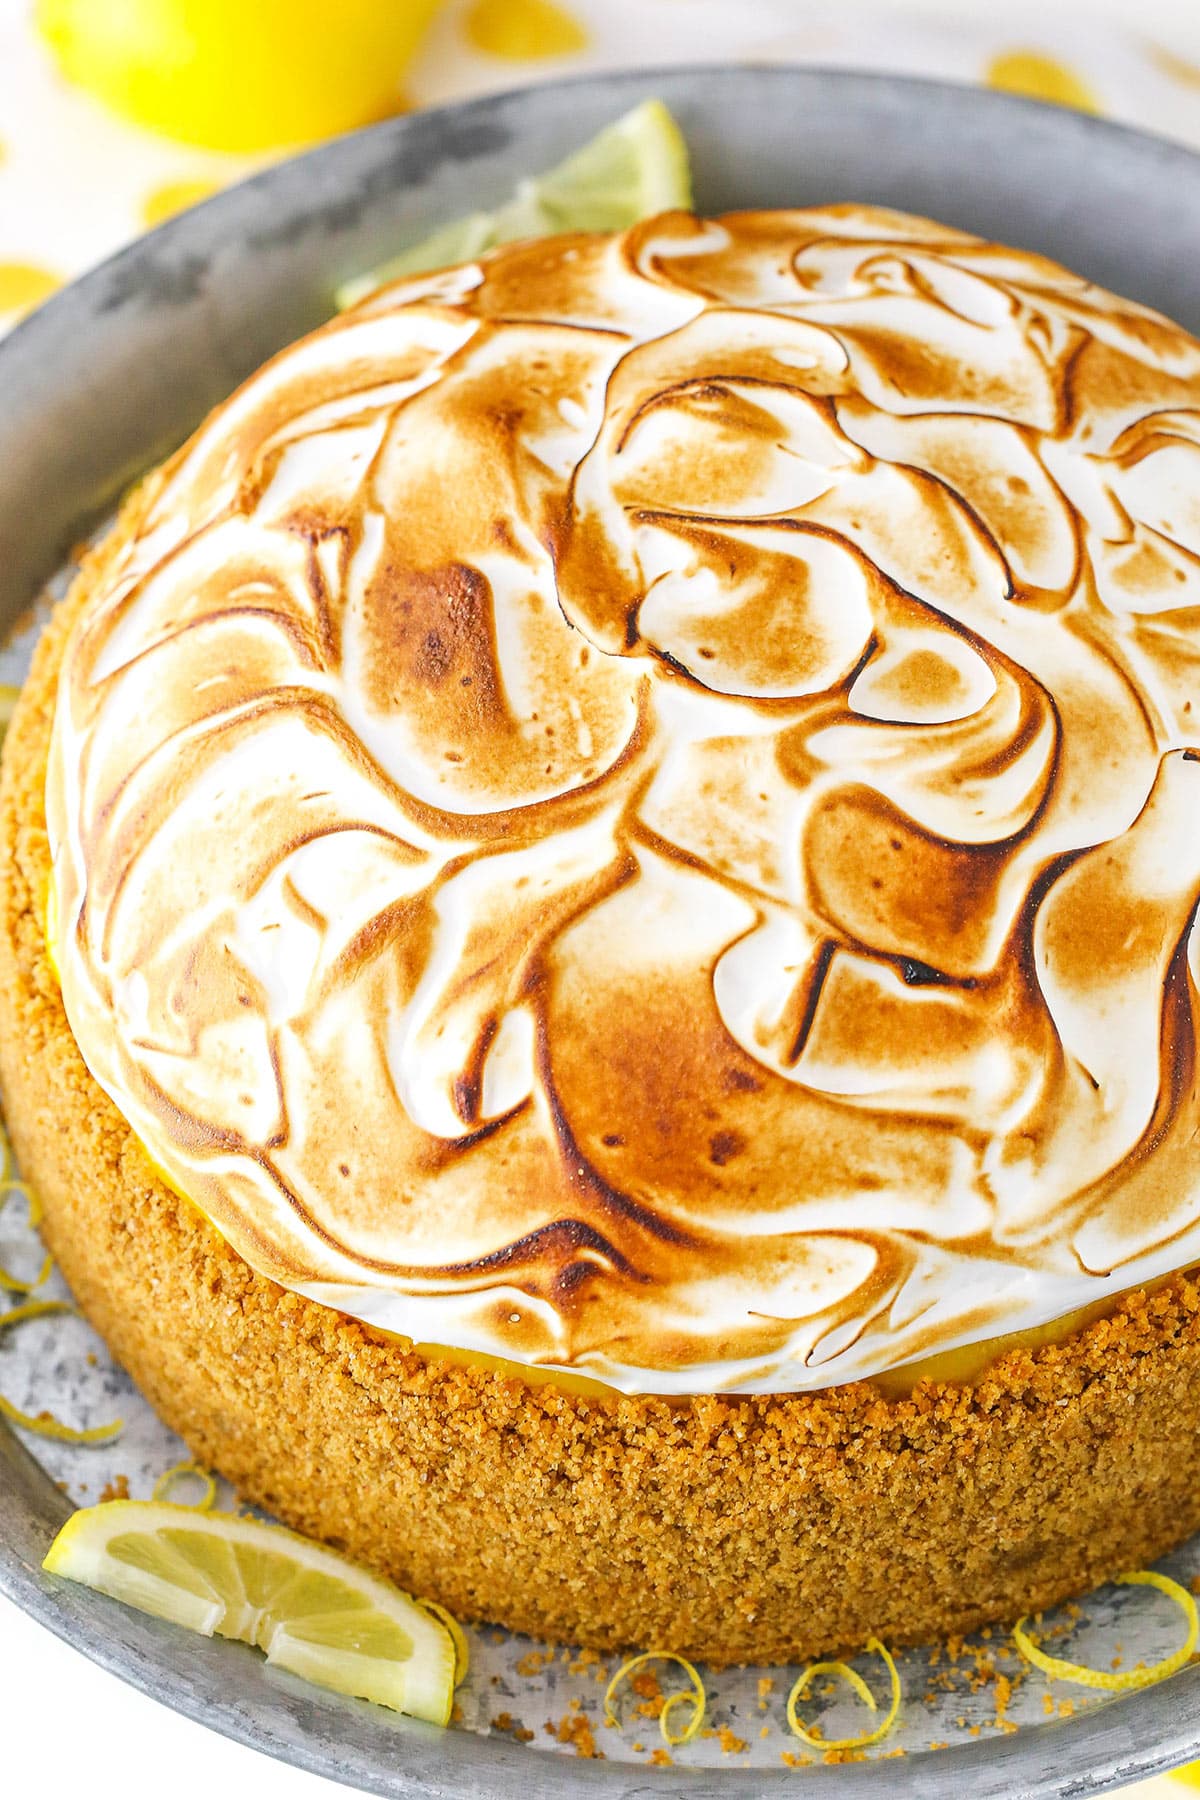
(117, 369)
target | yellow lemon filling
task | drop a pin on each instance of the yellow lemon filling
(968, 1363)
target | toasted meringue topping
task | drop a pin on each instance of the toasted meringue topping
(635, 807)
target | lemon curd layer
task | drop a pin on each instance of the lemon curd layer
(633, 806)
(961, 1367)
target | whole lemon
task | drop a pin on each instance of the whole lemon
(239, 74)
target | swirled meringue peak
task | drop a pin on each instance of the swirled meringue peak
(635, 806)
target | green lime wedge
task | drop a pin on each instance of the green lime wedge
(632, 169)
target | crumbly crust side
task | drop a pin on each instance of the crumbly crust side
(758, 1528)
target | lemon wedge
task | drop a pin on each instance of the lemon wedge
(632, 169)
(310, 1610)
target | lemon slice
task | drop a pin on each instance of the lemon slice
(313, 1612)
(632, 169)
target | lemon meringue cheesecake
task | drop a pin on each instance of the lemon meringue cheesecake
(597, 952)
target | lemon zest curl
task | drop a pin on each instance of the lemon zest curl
(860, 1687)
(9, 1185)
(180, 1472)
(458, 1637)
(695, 1696)
(1061, 1670)
(45, 1424)
(14, 1284)
(34, 1309)
(32, 1202)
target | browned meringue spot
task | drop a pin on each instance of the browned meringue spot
(881, 882)
(636, 806)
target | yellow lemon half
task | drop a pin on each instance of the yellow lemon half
(238, 76)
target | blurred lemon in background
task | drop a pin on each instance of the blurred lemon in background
(239, 74)
(174, 197)
(1040, 77)
(25, 285)
(523, 29)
